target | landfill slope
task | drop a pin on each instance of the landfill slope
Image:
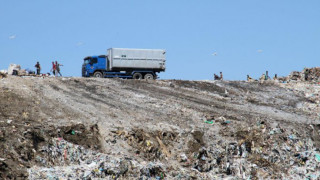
(164, 129)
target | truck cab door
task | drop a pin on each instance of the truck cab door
(93, 65)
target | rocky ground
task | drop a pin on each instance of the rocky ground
(70, 128)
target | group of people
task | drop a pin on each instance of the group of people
(264, 77)
(55, 68)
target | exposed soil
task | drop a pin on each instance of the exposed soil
(156, 129)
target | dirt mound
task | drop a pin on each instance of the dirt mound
(23, 151)
(76, 128)
(22, 136)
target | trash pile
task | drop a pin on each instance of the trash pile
(311, 93)
(3, 75)
(152, 145)
(22, 141)
(312, 74)
(72, 128)
(265, 150)
(15, 69)
(308, 74)
(66, 160)
(295, 75)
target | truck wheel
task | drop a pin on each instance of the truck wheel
(148, 76)
(137, 76)
(97, 74)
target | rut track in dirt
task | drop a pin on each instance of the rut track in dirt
(162, 117)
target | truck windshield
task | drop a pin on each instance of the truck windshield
(87, 61)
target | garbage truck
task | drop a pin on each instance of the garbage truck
(126, 63)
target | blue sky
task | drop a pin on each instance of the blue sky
(238, 37)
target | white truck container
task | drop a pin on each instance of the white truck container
(120, 58)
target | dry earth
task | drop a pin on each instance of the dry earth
(72, 128)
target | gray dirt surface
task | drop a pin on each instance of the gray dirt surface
(157, 129)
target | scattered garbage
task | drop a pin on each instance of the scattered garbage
(209, 122)
(14, 69)
(308, 74)
(246, 141)
(318, 157)
(225, 122)
(3, 75)
(30, 72)
(295, 75)
(183, 158)
(76, 162)
(4, 71)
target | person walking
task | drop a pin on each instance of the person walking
(54, 68)
(38, 67)
(58, 68)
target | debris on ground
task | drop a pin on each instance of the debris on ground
(14, 69)
(308, 74)
(3, 75)
(90, 128)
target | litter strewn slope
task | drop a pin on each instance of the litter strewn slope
(166, 129)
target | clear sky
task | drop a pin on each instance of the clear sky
(238, 37)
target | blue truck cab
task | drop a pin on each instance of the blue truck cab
(94, 64)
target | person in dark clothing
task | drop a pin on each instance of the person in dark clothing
(306, 74)
(275, 77)
(58, 68)
(216, 77)
(38, 67)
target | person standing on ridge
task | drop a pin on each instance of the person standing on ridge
(58, 68)
(249, 79)
(306, 74)
(38, 67)
(275, 77)
(262, 78)
(267, 76)
(54, 68)
(221, 76)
